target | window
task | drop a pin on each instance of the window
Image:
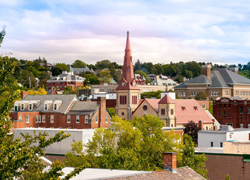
(45, 107)
(106, 119)
(225, 114)
(30, 107)
(16, 108)
(184, 93)
(22, 107)
(229, 114)
(241, 126)
(183, 108)
(162, 111)
(145, 107)
(220, 114)
(195, 108)
(220, 106)
(225, 106)
(39, 118)
(20, 117)
(43, 120)
(36, 118)
(86, 119)
(241, 109)
(212, 144)
(77, 119)
(27, 119)
(229, 106)
(248, 125)
(55, 107)
(248, 109)
(212, 93)
(204, 106)
(221, 144)
(68, 119)
(134, 99)
(51, 118)
(96, 119)
(172, 111)
(217, 93)
(123, 99)
(122, 113)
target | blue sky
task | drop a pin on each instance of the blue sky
(160, 31)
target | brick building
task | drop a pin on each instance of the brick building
(220, 82)
(232, 111)
(59, 111)
(63, 80)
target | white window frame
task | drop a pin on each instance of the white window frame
(36, 118)
(51, 118)
(77, 119)
(22, 107)
(40, 118)
(86, 119)
(55, 107)
(27, 119)
(68, 119)
(43, 118)
(96, 119)
(30, 107)
(46, 107)
(20, 117)
(184, 93)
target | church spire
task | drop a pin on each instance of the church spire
(128, 80)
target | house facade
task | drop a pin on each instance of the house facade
(217, 83)
(232, 111)
(175, 112)
(59, 111)
(63, 80)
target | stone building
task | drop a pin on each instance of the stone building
(217, 83)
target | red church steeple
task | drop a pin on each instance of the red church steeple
(128, 80)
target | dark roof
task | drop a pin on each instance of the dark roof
(220, 78)
(83, 108)
(183, 173)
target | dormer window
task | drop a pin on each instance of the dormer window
(22, 107)
(30, 107)
(183, 108)
(195, 108)
(45, 107)
(16, 108)
(55, 107)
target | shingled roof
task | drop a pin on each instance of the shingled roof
(220, 78)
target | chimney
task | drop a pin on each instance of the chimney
(200, 125)
(170, 161)
(102, 112)
(24, 93)
(206, 70)
(234, 69)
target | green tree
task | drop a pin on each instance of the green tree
(59, 67)
(118, 76)
(151, 94)
(78, 64)
(27, 78)
(227, 177)
(102, 64)
(190, 159)
(194, 67)
(111, 111)
(91, 79)
(201, 96)
(20, 159)
(105, 76)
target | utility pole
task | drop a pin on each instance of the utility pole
(29, 82)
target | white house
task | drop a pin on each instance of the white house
(215, 138)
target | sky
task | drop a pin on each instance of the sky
(161, 31)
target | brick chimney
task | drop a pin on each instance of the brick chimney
(170, 161)
(206, 70)
(200, 125)
(102, 112)
(24, 93)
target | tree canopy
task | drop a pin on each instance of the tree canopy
(78, 64)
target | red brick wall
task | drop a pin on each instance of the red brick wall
(219, 165)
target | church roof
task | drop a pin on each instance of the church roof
(166, 100)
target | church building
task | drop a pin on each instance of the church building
(128, 93)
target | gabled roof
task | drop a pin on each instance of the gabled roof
(83, 108)
(220, 78)
(152, 102)
(66, 101)
(166, 100)
(185, 111)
